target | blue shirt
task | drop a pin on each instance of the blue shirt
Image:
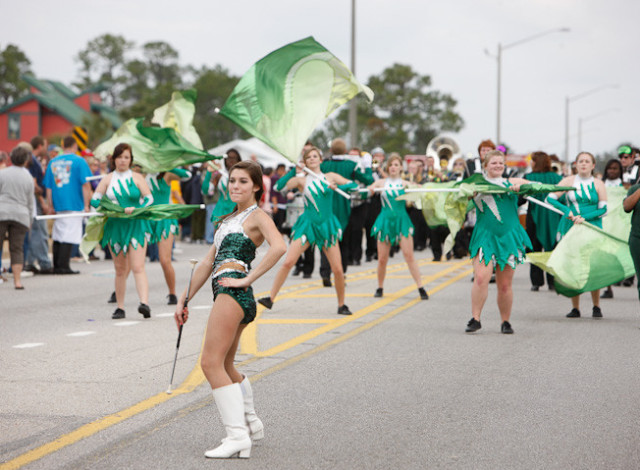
(65, 176)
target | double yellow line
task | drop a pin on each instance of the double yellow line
(457, 271)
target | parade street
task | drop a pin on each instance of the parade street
(396, 385)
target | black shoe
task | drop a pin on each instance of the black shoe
(172, 299)
(112, 299)
(144, 310)
(473, 325)
(344, 310)
(574, 313)
(368, 258)
(46, 271)
(266, 301)
(608, 294)
(535, 288)
(306, 276)
(423, 294)
(627, 282)
(118, 314)
(31, 269)
(326, 281)
(597, 313)
(378, 292)
(493, 279)
(297, 271)
(506, 328)
(65, 271)
(436, 259)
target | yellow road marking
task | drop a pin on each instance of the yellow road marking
(282, 321)
(354, 332)
(196, 376)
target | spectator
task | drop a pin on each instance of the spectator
(16, 207)
(68, 191)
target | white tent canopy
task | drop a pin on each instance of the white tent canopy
(266, 156)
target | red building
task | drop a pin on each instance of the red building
(50, 109)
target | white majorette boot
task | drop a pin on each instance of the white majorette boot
(231, 407)
(256, 428)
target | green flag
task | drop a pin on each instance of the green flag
(285, 95)
(617, 222)
(155, 149)
(586, 259)
(178, 114)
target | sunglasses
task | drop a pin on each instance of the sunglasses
(624, 156)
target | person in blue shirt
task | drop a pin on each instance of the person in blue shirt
(68, 191)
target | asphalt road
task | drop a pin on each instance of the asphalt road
(397, 385)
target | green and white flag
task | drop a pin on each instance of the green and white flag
(155, 149)
(617, 222)
(287, 94)
(586, 259)
(178, 114)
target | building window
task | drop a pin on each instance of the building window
(14, 127)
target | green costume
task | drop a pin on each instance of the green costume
(351, 171)
(583, 201)
(234, 247)
(119, 234)
(393, 221)
(545, 221)
(498, 235)
(224, 205)
(161, 192)
(634, 235)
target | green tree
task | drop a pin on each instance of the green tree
(104, 60)
(13, 63)
(214, 87)
(405, 115)
(149, 82)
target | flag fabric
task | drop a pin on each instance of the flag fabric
(586, 259)
(617, 222)
(285, 95)
(178, 114)
(94, 229)
(155, 149)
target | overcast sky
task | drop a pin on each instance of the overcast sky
(445, 39)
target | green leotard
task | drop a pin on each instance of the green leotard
(583, 201)
(161, 192)
(119, 234)
(224, 205)
(317, 225)
(498, 235)
(393, 222)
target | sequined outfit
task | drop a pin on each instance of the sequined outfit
(498, 235)
(234, 253)
(393, 222)
(317, 225)
(161, 192)
(119, 233)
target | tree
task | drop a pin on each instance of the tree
(149, 82)
(13, 64)
(214, 87)
(104, 60)
(405, 114)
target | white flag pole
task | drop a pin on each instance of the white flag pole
(337, 190)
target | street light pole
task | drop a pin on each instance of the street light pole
(589, 118)
(567, 102)
(499, 60)
(353, 105)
